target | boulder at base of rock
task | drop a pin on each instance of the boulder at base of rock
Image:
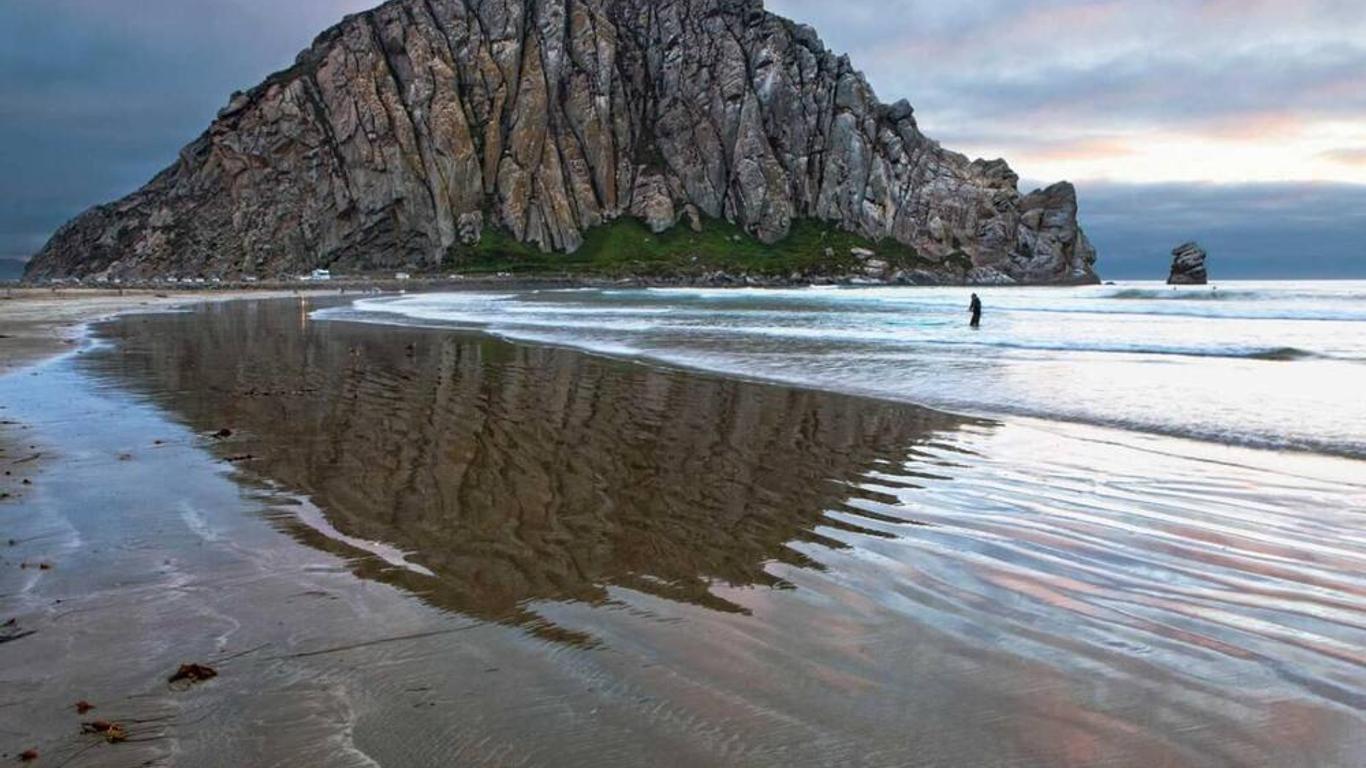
(1188, 265)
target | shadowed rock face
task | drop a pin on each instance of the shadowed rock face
(407, 129)
(1188, 265)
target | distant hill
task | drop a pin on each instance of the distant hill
(11, 269)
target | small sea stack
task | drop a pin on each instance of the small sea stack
(1188, 265)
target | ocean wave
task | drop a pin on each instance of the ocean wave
(1282, 386)
(475, 321)
(1186, 294)
(1232, 436)
(1288, 353)
(494, 313)
(1270, 354)
(1232, 304)
(728, 365)
(916, 337)
(1214, 293)
(1212, 313)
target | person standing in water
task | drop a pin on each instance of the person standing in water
(976, 309)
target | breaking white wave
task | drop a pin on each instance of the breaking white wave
(1267, 365)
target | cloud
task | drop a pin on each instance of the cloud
(1141, 103)
(96, 97)
(1274, 230)
(1077, 149)
(1257, 89)
(1347, 156)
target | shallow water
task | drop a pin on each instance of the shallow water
(1278, 365)
(715, 571)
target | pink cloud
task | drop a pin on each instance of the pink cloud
(1030, 23)
(1354, 156)
(1224, 10)
(1252, 126)
(1082, 149)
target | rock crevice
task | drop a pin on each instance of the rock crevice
(408, 129)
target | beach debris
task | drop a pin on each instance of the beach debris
(11, 631)
(241, 457)
(83, 706)
(28, 755)
(193, 673)
(112, 732)
(223, 434)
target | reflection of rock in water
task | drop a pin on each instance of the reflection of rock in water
(519, 473)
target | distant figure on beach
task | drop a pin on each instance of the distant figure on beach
(976, 309)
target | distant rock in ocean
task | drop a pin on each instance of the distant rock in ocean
(425, 132)
(1188, 265)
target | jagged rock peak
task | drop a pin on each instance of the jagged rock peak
(1188, 265)
(411, 128)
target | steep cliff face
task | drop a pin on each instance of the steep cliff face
(408, 130)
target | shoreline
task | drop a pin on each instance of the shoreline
(387, 282)
(44, 323)
(37, 324)
(632, 554)
(1298, 451)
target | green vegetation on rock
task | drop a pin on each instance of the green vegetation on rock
(626, 247)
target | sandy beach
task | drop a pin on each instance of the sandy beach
(41, 322)
(408, 546)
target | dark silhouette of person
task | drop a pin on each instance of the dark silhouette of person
(976, 309)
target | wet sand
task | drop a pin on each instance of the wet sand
(40, 322)
(426, 548)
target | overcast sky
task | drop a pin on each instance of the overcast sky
(1241, 123)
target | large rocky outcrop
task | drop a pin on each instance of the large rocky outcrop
(1188, 265)
(411, 128)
